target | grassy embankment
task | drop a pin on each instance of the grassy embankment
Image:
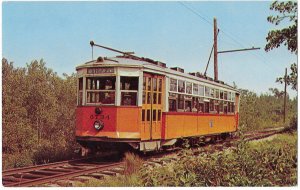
(270, 162)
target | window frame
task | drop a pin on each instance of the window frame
(130, 91)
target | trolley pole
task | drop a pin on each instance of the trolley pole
(284, 102)
(215, 50)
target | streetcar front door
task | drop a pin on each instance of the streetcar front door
(152, 106)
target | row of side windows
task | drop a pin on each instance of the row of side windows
(186, 103)
(180, 86)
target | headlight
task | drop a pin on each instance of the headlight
(98, 125)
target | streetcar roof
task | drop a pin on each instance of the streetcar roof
(149, 66)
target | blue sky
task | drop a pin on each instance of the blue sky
(59, 32)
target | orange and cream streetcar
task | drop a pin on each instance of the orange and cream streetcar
(129, 100)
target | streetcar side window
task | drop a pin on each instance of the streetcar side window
(221, 95)
(206, 107)
(173, 85)
(180, 103)
(212, 92)
(225, 107)
(129, 90)
(181, 86)
(225, 95)
(189, 88)
(207, 91)
(195, 105)
(232, 96)
(229, 96)
(211, 106)
(201, 105)
(172, 105)
(172, 102)
(201, 90)
(217, 94)
(217, 108)
(188, 105)
(195, 89)
(80, 91)
(221, 106)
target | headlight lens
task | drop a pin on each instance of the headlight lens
(98, 125)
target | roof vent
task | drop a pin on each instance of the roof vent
(177, 69)
(209, 78)
(100, 59)
(161, 64)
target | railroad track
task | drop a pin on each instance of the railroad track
(41, 174)
(99, 167)
(263, 133)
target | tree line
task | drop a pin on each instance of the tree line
(38, 119)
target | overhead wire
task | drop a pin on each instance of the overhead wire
(196, 13)
(260, 57)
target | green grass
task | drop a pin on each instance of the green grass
(270, 162)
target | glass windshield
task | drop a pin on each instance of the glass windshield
(100, 90)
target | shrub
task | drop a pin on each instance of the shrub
(51, 152)
(132, 163)
(16, 160)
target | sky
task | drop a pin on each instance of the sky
(176, 33)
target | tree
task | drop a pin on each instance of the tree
(276, 92)
(286, 13)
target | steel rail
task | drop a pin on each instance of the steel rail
(61, 176)
(39, 167)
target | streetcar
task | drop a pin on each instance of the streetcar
(136, 102)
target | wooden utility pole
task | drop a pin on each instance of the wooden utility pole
(284, 103)
(215, 50)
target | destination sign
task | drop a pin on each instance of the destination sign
(100, 70)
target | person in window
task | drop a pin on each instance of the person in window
(108, 84)
(127, 86)
(107, 98)
(194, 109)
(201, 108)
(127, 100)
(187, 106)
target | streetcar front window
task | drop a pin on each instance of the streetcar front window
(129, 91)
(100, 90)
